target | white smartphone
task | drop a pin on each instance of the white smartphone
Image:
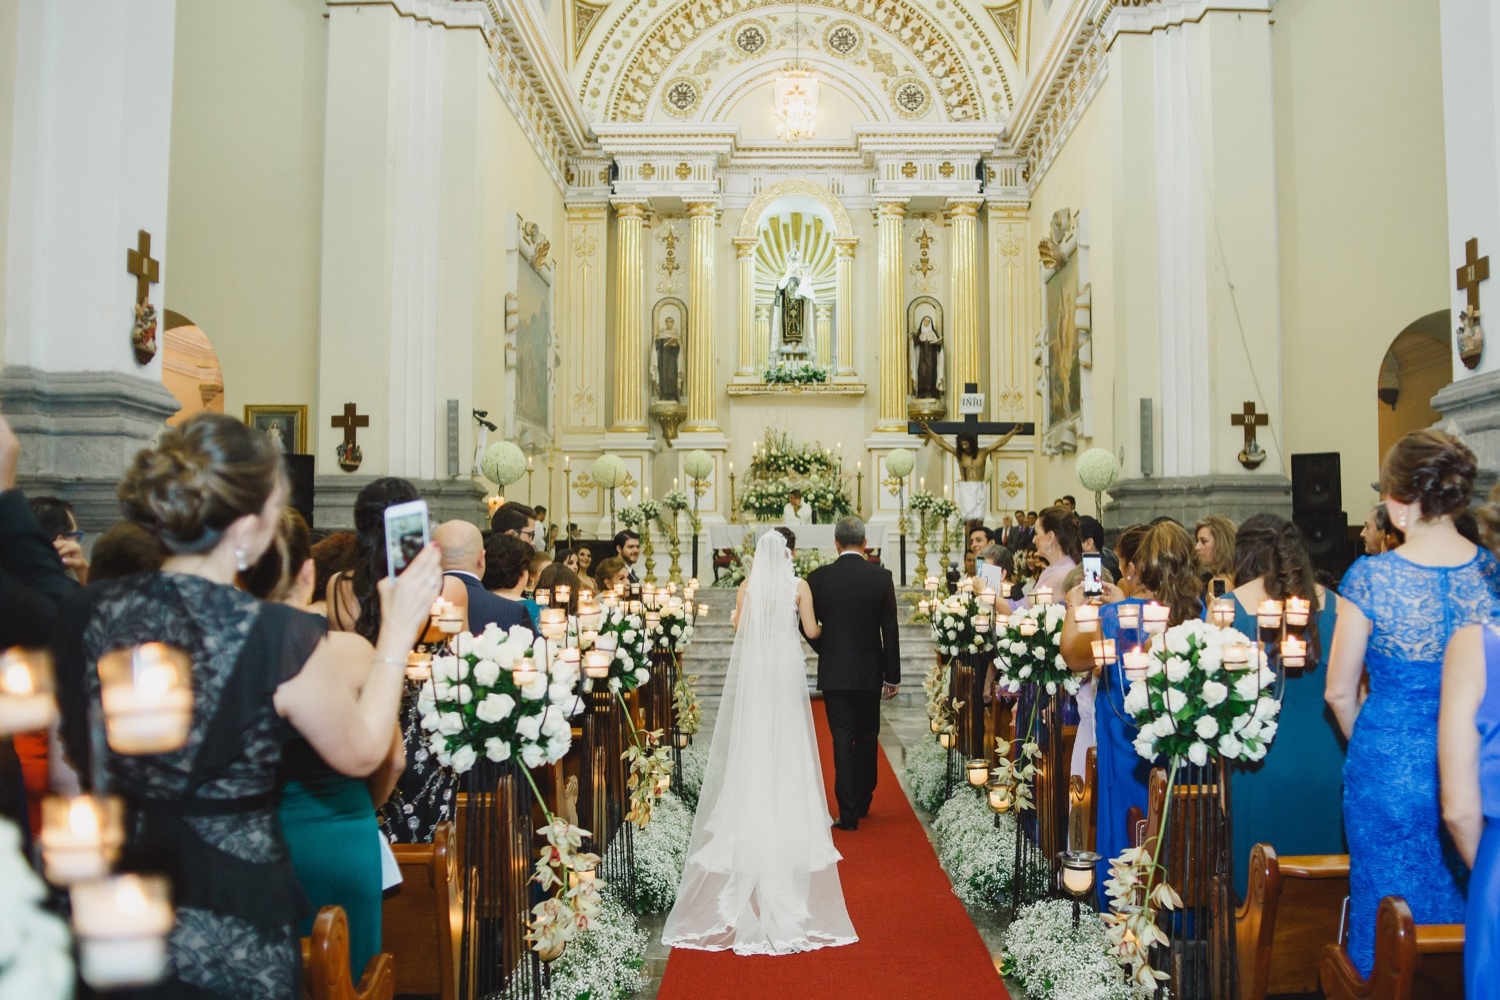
(407, 531)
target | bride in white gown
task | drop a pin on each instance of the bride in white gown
(762, 873)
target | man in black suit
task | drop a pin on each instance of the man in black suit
(462, 547)
(628, 548)
(859, 659)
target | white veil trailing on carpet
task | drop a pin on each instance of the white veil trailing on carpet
(762, 873)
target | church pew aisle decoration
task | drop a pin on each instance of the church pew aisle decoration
(503, 463)
(607, 962)
(694, 767)
(35, 950)
(1050, 959)
(797, 373)
(1029, 651)
(1206, 694)
(976, 847)
(624, 630)
(926, 775)
(660, 854)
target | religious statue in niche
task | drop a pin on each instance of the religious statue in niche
(666, 366)
(1064, 343)
(1470, 338)
(926, 360)
(927, 371)
(794, 301)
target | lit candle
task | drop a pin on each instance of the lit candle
(26, 702)
(561, 593)
(683, 740)
(1041, 596)
(703, 611)
(609, 642)
(1268, 614)
(596, 663)
(1028, 626)
(1294, 651)
(1237, 656)
(1297, 611)
(1137, 661)
(693, 583)
(122, 925)
(1130, 615)
(543, 598)
(922, 605)
(418, 666)
(1104, 652)
(999, 796)
(653, 620)
(452, 621)
(437, 609)
(945, 740)
(987, 597)
(1222, 611)
(80, 836)
(979, 772)
(147, 698)
(982, 624)
(1077, 881)
(524, 672)
(1086, 617)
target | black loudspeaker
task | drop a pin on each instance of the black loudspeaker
(299, 477)
(1326, 535)
(1315, 482)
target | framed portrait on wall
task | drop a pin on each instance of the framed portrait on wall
(284, 424)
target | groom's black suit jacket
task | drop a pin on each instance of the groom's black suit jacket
(860, 647)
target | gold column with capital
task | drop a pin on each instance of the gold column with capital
(963, 217)
(823, 331)
(628, 412)
(891, 290)
(843, 310)
(701, 390)
(744, 253)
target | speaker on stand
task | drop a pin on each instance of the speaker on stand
(1318, 511)
(299, 477)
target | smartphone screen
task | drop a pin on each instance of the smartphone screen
(406, 533)
(1219, 587)
(1093, 574)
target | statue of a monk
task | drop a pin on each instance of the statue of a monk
(927, 376)
(666, 367)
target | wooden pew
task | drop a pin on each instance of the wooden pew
(1293, 908)
(421, 921)
(325, 963)
(1083, 821)
(1412, 962)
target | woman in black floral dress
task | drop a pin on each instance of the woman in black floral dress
(205, 814)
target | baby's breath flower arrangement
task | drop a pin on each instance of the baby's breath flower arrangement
(1050, 959)
(927, 775)
(604, 964)
(977, 852)
(660, 852)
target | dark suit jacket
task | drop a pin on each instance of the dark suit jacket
(486, 608)
(861, 645)
(32, 579)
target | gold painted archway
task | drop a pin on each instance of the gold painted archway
(750, 224)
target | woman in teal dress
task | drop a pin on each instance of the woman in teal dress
(1401, 609)
(1293, 798)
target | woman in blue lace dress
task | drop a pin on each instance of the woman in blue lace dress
(1402, 608)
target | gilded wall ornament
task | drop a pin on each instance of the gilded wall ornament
(843, 38)
(908, 170)
(945, 171)
(646, 171)
(910, 97)
(683, 171)
(752, 37)
(1012, 484)
(681, 96)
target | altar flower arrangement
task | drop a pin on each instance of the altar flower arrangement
(675, 503)
(779, 455)
(497, 697)
(1206, 694)
(503, 463)
(796, 373)
(765, 500)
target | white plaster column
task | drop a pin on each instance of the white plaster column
(628, 413)
(890, 289)
(964, 292)
(843, 311)
(702, 390)
(91, 132)
(580, 321)
(823, 331)
(762, 333)
(744, 254)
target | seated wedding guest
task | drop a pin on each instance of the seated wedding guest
(1400, 609)
(628, 549)
(336, 553)
(1293, 799)
(507, 560)
(979, 537)
(1165, 572)
(124, 549)
(1469, 764)
(971, 565)
(56, 518)
(997, 567)
(213, 491)
(555, 575)
(1083, 701)
(1377, 531)
(612, 574)
(1125, 549)
(515, 519)
(463, 579)
(327, 818)
(795, 511)
(1213, 548)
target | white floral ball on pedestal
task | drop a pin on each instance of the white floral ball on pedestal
(609, 471)
(698, 464)
(900, 462)
(1097, 471)
(503, 463)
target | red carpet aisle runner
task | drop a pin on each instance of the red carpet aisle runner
(915, 939)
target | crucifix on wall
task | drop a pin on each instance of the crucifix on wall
(1252, 454)
(973, 461)
(147, 271)
(1470, 334)
(348, 450)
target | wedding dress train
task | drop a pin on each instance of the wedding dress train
(762, 873)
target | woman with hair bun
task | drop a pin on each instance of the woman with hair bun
(205, 815)
(1293, 798)
(1402, 608)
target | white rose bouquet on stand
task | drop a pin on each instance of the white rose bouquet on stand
(1029, 651)
(961, 624)
(624, 633)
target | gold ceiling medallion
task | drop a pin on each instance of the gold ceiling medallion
(843, 38)
(681, 96)
(910, 97)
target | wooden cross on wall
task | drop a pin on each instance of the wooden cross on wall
(1475, 270)
(1252, 454)
(147, 269)
(350, 422)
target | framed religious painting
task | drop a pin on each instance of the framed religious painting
(1064, 345)
(530, 350)
(285, 425)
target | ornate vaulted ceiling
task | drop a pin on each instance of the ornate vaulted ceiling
(895, 60)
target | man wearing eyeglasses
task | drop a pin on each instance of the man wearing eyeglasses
(515, 519)
(56, 518)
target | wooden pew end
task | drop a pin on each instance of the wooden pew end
(325, 968)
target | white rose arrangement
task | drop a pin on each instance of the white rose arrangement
(1029, 651)
(675, 631)
(953, 625)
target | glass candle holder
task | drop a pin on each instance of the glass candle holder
(418, 666)
(1154, 617)
(683, 740)
(1041, 596)
(524, 672)
(147, 697)
(936, 725)
(653, 620)
(1268, 615)
(923, 605)
(1298, 610)
(1129, 614)
(80, 837)
(570, 656)
(543, 598)
(26, 691)
(1294, 652)
(1104, 652)
(608, 642)
(1027, 626)
(561, 593)
(1086, 617)
(122, 925)
(978, 771)
(998, 795)
(596, 663)
(703, 611)
(1221, 612)
(1077, 872)
(452, 622)
(1137, 662)
(634, 608)
(982, 624)
(1237, 656)
(945, 740)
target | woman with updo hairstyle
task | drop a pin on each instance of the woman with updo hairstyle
(612, 573)
(1165, 573)
(205, 815)
(1126, 546)
(1401, 608)
(1293, 798)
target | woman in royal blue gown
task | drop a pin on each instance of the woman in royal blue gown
(1161, 570)
(1401, 609)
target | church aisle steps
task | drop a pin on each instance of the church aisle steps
(713, 642)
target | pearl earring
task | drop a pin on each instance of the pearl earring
(240, 562)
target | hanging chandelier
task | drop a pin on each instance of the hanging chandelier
(796, 94)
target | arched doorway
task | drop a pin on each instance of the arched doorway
(1418, 363)
(190, 368)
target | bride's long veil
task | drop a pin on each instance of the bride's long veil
(761, 873)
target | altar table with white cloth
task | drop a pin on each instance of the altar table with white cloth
(809, 536)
